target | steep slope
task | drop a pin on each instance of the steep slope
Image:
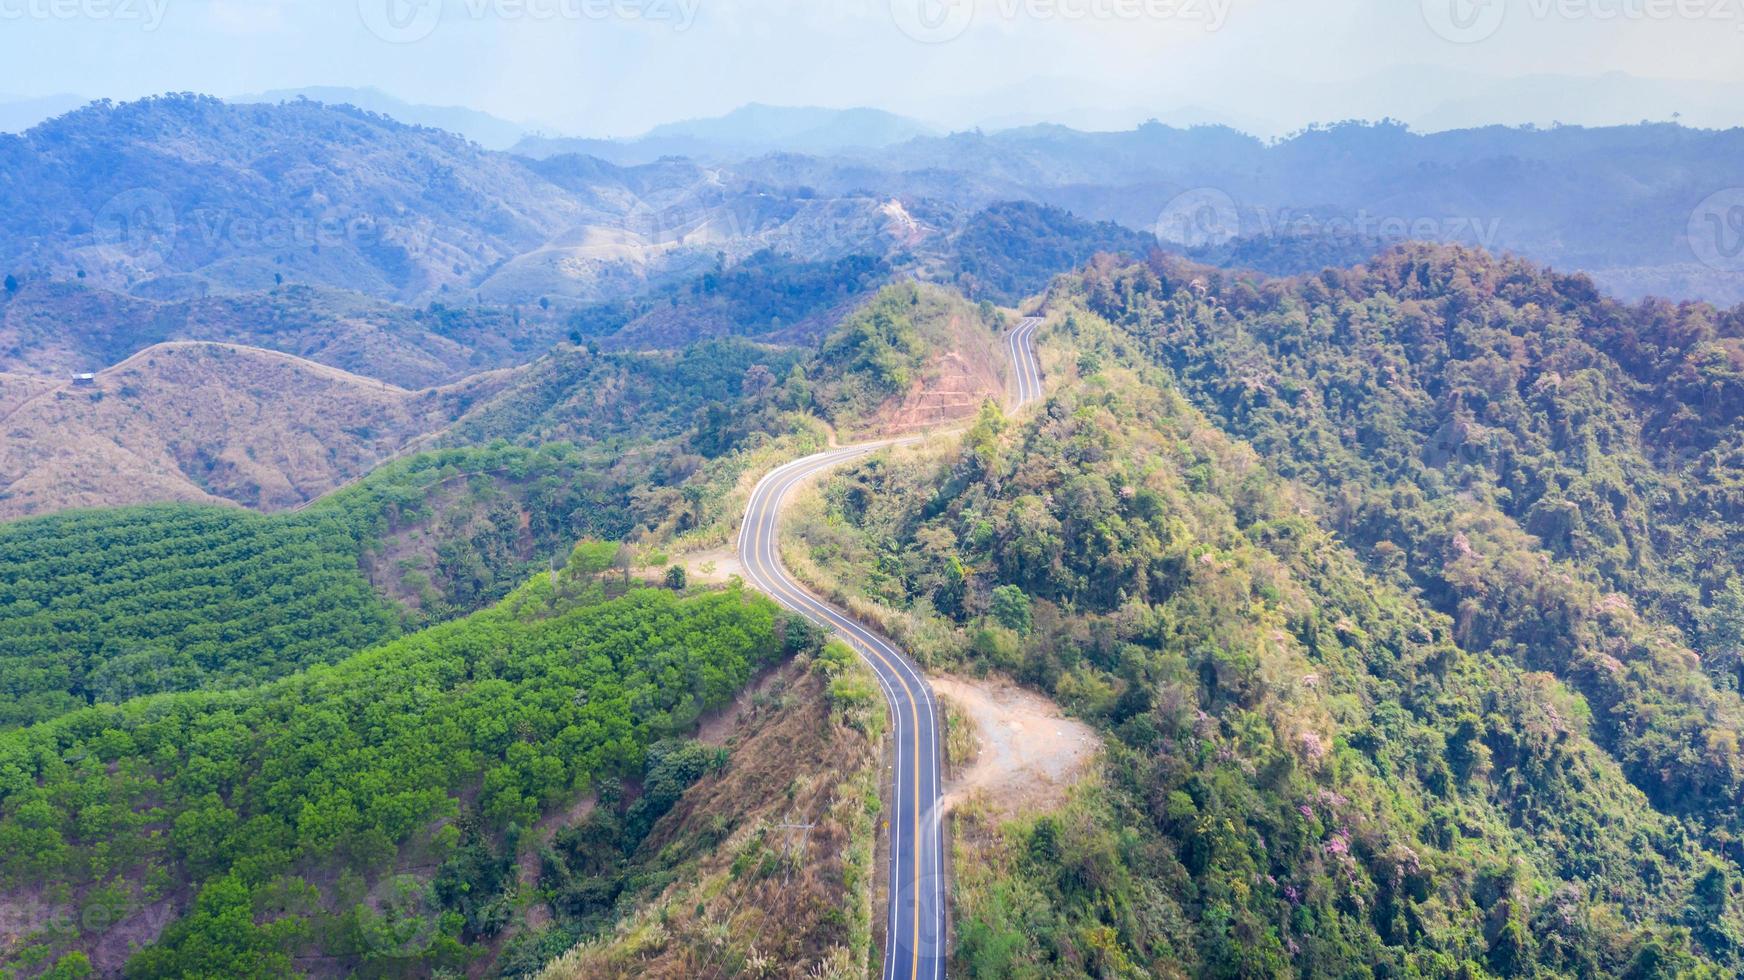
(728, 882)
(362, 817)
(1308, 771)
(1553, 470)
(912, 357)
(185, 186)
(210, 422)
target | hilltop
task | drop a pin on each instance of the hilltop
(210, 422)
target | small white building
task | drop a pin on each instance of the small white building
(86, 378)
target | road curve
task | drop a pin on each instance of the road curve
(916, 945)
(1026, 370)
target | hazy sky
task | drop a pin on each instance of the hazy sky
(614, 67)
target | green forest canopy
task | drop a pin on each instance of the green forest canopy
(236, 795)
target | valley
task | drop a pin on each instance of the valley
(812, 543)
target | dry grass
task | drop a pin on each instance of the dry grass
(755, 904)
(210, 423)
(962, 739)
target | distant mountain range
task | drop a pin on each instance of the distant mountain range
(1427, 98)
(1629, 204)
(179, 197)
(488, 131)
(752, 130)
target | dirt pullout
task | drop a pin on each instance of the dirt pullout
(1029, 754)
(716, 566)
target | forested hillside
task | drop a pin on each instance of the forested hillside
(106, 605)
(1314, 765)
(1013, 249)
(912, 356)
(296, 796)
(766, 296)
(361, 816)
(1555, 471)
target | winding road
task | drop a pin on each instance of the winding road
(916, 945)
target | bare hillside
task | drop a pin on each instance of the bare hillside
(206, 422)
(59, 328)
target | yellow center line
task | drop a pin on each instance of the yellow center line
(870, 650)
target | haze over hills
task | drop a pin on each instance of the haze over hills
(19, 113)
(751, 130)
(1429, 98)
(486, 130)
(1628, 204)
(1014, 489)
(177, 196)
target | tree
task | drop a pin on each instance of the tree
(593, 558)
(676, 578)
(1723, 631)
(1011, 608)
(11, 283)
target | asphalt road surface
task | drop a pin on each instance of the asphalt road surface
(916, 946)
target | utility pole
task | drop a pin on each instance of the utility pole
(787, 852)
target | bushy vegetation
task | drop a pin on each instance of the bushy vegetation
(432, 748)
(1014, 248)
(765, 294)
(1557, 472)
(1307, 771)
(724, 884)
(483, 519)
(582, 396)
(106, 605)
(878, 351)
